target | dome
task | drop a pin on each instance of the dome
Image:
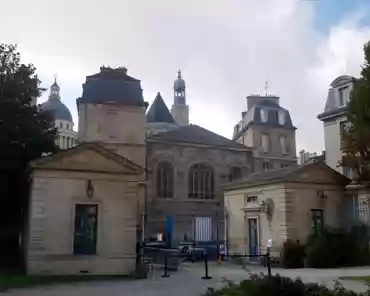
(58, 109)
(179, 83)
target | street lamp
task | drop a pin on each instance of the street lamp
(217, 229)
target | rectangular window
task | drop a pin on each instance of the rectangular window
(264, 115)
(265, 143)
(61, 125)
(281, 117)
(250, 199)
(343, 96)
(317, 221)
(85, 231)
(283, 145)
(266, 166)
(342, 130)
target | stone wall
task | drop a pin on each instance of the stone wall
(183, 209)
(51, 226)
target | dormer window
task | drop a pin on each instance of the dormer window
(263, 115)
(281, 117)
(343, 96)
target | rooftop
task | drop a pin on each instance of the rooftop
(158, 111)
(195, 134)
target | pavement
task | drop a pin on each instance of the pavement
(188, 281)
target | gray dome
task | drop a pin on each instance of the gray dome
(179, 83)
(58, 109)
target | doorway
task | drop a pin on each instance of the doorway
(253, 248)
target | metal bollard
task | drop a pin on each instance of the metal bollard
(206, 276)
(268, 263)
(165, 274)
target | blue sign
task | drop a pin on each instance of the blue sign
(169, 229)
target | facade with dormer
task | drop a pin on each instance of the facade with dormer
(133, 175)
(334, 120)
(267, 128)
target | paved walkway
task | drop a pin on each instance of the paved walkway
(188, 281)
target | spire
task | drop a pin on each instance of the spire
(266, 87)
(179, 110)
(54, 89)
(158, 111)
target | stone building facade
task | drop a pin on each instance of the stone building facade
(283, 204)
(186, 169)
(267, 128)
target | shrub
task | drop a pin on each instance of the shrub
(334, 248)
(277, 286)
(293, 254)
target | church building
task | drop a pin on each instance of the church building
(134, 174)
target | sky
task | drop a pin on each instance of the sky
(226, 50)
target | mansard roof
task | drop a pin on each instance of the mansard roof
(112, 86)
(253, 116)
(158, 112)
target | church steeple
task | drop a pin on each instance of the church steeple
(179, 110)
(179, 90)
(54, 90)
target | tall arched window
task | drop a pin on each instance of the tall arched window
(164, 180)
(201, 182)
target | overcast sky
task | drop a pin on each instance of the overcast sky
(226, 50)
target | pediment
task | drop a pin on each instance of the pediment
(320, 174)
(89, 158)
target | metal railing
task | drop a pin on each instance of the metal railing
(170, 259)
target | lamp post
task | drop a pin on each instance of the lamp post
(193, 221)
(217, 229)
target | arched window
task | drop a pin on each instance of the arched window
(201, 182)
(164, 180)
(235, 173)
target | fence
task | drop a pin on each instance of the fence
(170, 259)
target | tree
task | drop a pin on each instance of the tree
(356, 137)
(25, 134)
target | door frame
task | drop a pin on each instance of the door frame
(246, 249)
(98, 229)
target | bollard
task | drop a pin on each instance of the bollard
(206, 276)
(165, 274)
(268, 263)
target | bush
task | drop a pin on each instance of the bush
(277, 286)
(334, 248)
(293, 254)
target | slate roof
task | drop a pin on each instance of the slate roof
(287, 174)
(158, 111)
(253, 116)
(57, 109)
(194, 134)
(112, 86)
(331, 107)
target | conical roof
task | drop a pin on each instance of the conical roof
(158, 111)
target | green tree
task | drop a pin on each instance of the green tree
(356, 137)
(25, 134)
